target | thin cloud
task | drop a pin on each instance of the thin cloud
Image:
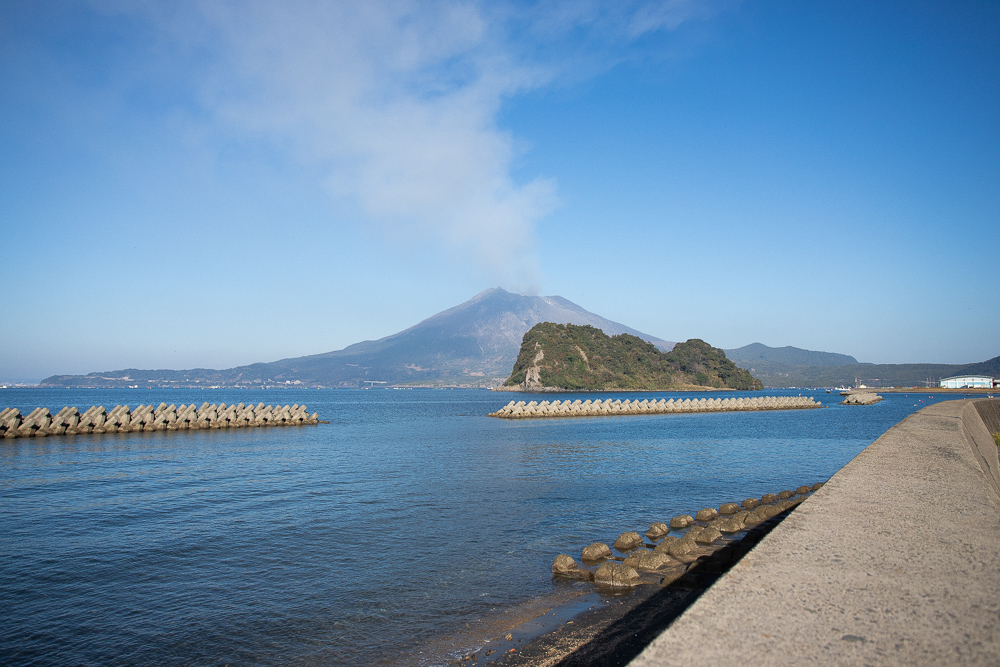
(397, 102)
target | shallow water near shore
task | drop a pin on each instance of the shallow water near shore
(406, 521)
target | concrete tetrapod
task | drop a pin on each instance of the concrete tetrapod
(657, 530)
(627, 542)
(120, 419)
(866, 398)
(617, 575)
(647, 560)
(565, 566)
(589, 408)
(596, 551)
(696, 541)
(729, 508)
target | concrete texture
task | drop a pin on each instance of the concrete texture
(577, 408)
(895, 560)
(980, 433)
(68, 421)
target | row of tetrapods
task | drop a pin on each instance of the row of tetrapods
(704, 530)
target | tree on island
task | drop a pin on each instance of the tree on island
(584, 358)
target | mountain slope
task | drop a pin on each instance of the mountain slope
(873, 375)
(570, 357)
(990, 367)
(474, 343)
(794, 356)
(795, 367)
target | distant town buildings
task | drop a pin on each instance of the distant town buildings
(967, 381)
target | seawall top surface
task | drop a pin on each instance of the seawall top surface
(895, 560)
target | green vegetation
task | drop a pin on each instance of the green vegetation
(780, 374)
(996, 439)
(567, 356)
(758, 353)
(989, 367)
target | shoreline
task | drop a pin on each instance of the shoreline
(927, 390)
(611, 628)
(895, 561)
(796, 599)
(613, 633)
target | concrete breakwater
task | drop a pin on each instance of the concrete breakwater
(41, 422)
(895, 561)
(666, 556)
(589, 408)
(868, 398)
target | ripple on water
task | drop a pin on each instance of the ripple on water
(399, 527)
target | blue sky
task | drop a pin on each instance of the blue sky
(208, 184)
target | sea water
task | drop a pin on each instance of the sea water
(410, 517)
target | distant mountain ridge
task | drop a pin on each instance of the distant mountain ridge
(795, 367)
(472, 344)
(990, 367)
(477, 342)
(794, 356)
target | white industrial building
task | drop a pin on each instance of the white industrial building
(967, 381)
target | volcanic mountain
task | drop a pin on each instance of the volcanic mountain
(472, 344)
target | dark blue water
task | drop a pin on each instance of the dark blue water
(408, 517)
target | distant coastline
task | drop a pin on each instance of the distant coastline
(924, 390)
(558, 390)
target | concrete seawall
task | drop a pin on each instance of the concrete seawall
(895, 560)
(120, 419)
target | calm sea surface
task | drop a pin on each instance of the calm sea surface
(409, 517)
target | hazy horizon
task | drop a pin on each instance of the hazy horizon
(549, 296)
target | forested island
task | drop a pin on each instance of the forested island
(583, 358)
